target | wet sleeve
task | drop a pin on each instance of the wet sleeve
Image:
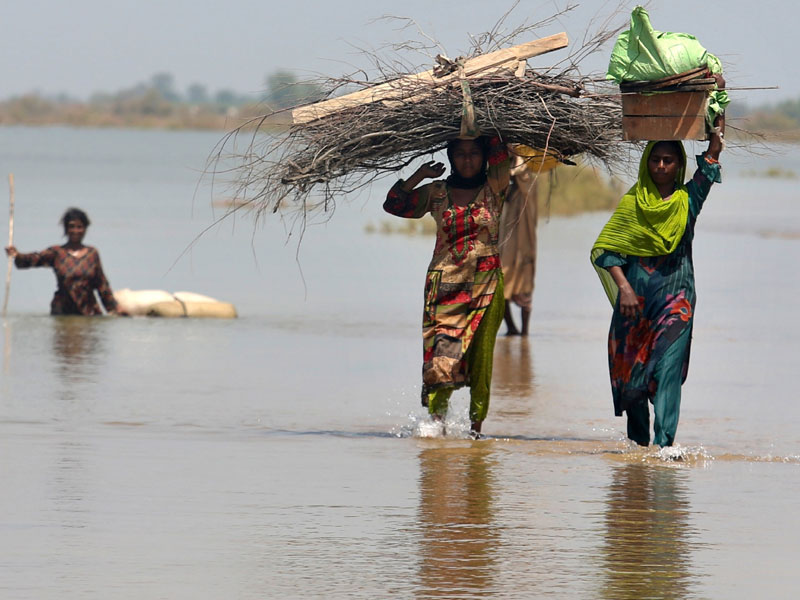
(409, 205)
(607, 259)
(45, 258)
(103, 288)
(707, 174)
(498, 173)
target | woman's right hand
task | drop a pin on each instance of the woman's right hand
(628, 302)
(11, 251)
(629, 306)
(430, 170)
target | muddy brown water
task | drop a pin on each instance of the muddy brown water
(282, 454)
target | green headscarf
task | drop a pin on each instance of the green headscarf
(644, 224)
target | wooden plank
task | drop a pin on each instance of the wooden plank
(687, 127)
(505, 58)
(420, 96)
(668, 104)
(667, 81)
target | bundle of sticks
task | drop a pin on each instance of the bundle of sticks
(336, 146)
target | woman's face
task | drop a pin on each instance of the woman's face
(663, 164)
(468, 159)
(75, 231)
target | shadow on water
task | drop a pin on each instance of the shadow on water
(458, 538)
(330, 433)
(648, 538)
(616, 450)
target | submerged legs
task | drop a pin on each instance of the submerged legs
(438, 401)
(481, 357)
(479, 362)
(667, 399)
(639, 422)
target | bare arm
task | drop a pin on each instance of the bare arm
(628, 301)
(429, 170)
(100, 283)
(715, 140)
(405, 199)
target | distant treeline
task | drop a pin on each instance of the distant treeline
(158, 104)
(781, 120)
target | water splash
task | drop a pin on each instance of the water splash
(675, 455)
(429, 428)
(422, 425)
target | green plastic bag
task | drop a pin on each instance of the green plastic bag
(643, 54)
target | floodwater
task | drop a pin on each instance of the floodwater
(282, 454)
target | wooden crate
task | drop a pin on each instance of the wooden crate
(665, 116)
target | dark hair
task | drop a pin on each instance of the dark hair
(482, 142)
(74, 214)
(455, 179)
(676, 147)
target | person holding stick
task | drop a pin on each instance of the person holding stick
(77, 268)
(644, 259)
(10, 240)
(464, 302)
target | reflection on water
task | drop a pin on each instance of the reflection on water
(249, 505)
(513, 367)
(6, 345)
(648, 537)
(459, 539)
(77, 345)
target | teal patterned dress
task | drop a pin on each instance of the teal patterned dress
(648, 357)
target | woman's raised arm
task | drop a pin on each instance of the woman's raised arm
(405, 199)
(715, 141)
(429, 170)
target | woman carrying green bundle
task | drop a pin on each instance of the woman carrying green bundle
(644, 258)
(464, 285)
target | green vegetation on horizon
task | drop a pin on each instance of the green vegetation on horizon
(780, 122)
(158, 105)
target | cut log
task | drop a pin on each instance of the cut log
(507, 58)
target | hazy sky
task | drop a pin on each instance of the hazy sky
(83, 46)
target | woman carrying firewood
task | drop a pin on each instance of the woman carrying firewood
(644, 258)
(464, 302)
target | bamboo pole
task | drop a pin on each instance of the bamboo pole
(10, 239)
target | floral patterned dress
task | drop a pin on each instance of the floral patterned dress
(465, 269)
(77, 277)
(649, 356)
